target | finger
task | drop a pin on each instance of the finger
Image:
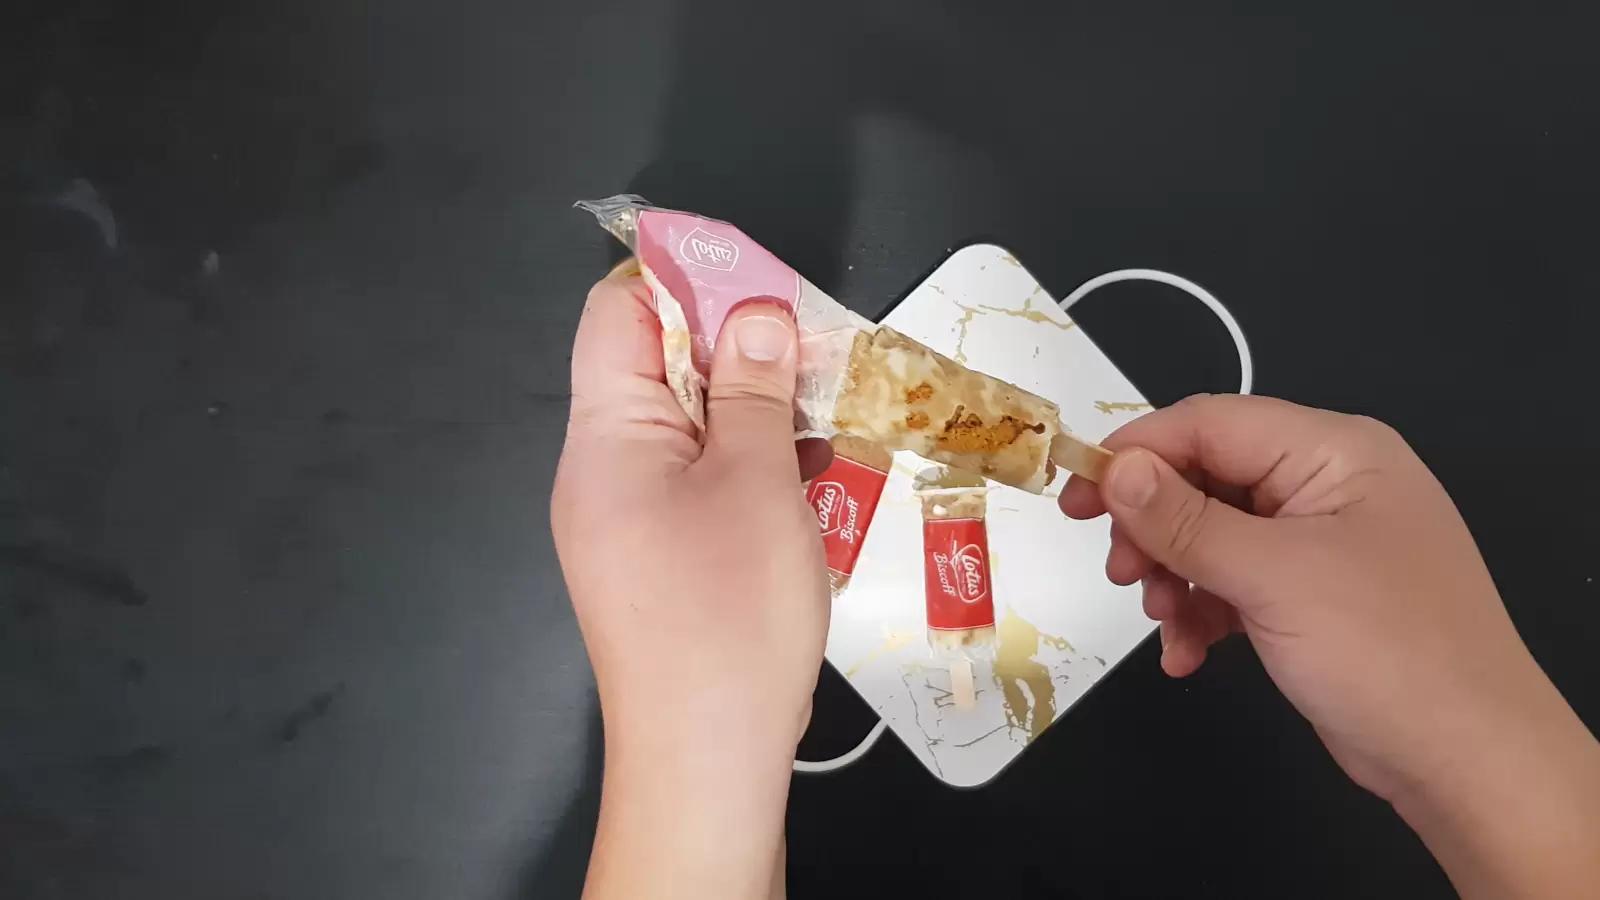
(1202, 619)
(1164, 595)
(815, 456)
(1271, 445)
(1080, 499)
(618, 375)
(1182, 655)
(1222, 618)
(1176, 656)
(1198, 538)
(1185, 646)
(750, 401)
(618, 334)
(1126, 563)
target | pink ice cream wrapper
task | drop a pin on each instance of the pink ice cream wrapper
(711, 268)
(699, 270)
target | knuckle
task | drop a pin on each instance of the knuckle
(613, 288)
(1372, 435)
(1189, 522)
(583, 414)
(752, 405)
(752, 392)
(1160, 422)
(600, 290)
(585, 424)
(591, 417)
(1380, 431)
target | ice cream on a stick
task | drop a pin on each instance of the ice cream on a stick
(905, 396)
(855, 378)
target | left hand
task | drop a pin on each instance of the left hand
(696, 571)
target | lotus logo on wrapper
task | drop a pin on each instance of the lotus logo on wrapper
(702, 248)
(843, 500)
(956, 578)
(836, 510)
(962, 573)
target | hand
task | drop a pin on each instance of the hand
(1327, 541)
(698, 579)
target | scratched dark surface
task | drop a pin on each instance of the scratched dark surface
(286, 291)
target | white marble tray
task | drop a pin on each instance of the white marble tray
(1062, 626)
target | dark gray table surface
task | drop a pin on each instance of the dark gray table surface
(286, 293)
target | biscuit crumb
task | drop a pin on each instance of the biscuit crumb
(916, 421)
(922, 393)
(967, 432)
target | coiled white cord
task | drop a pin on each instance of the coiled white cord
(1246, 382)
(1246, 366)
(839, 762)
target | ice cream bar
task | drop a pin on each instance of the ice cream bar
(905, 396)
(844, 499)
(956, 575)
(855, 378)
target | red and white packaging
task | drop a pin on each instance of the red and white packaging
(844, 499)
(957, 578)
(956, 555)
(957, 574)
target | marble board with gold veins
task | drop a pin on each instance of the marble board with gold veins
(1062, 626)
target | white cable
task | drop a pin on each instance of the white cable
(1246, 382)
(839, 762)
(1246, 366)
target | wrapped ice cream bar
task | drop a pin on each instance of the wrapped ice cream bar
(844, 499)
(956, 576)
(905, 396)
(855, 377)
(698, 270)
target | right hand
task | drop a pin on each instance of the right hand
(1329, 543)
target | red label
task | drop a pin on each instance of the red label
(844, 499)
(956, 574)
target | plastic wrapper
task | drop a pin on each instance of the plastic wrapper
(844, 499)
(698, 271)
(956, 574)
(855, 377)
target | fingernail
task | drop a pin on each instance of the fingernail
(762, 338)
(1134, 479)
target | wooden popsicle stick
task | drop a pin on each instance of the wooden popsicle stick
(961, 684)
(1080, 457)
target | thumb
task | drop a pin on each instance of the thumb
(1199, 538)
(750, 400)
